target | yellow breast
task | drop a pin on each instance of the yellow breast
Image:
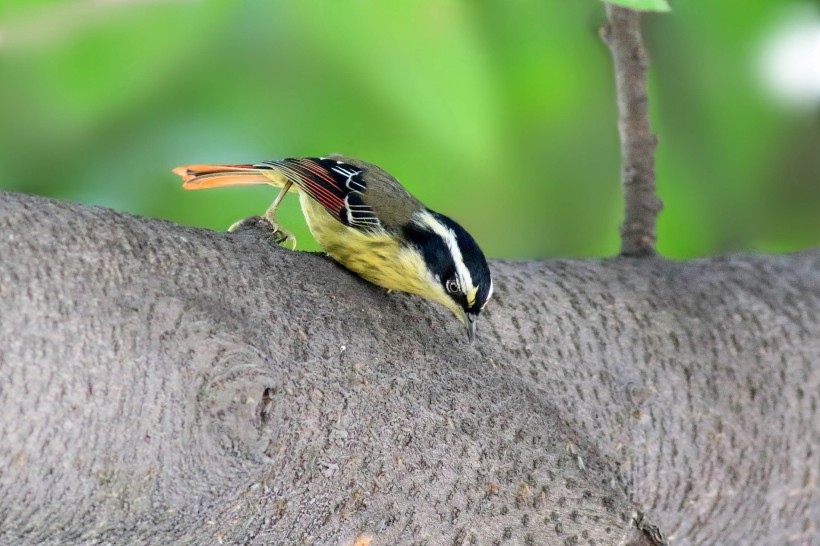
(376, 257)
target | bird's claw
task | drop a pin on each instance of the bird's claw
(280, 236)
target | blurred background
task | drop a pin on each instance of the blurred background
(499, 114)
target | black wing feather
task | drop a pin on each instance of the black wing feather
(336, 185)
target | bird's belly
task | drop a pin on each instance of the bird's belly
(377, 257)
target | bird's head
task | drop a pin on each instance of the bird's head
(458, 275)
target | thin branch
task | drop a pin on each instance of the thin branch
(622, 35)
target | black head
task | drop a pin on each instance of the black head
(456, 262)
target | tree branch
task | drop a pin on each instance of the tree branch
(622, 35)
(169, 385)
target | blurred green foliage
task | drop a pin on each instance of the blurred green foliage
(499, 114)
(643, 5)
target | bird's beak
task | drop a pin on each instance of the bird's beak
(470, 323)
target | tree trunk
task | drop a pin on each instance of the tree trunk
(170, 385)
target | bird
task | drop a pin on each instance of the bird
(364, 219)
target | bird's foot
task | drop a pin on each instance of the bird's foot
(278, 235)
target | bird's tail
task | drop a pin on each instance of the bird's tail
(201, 177)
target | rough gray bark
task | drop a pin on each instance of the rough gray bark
(622, 34)
(606, 401)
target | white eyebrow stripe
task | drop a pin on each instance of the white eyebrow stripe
(449, 237)
(489, 294)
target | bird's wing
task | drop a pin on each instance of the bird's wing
(338, 186)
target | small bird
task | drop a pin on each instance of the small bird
(364, 219)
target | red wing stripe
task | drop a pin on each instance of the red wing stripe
(324, 176)
(319, 171)
(324, 193)
(325, 197)
(314, 179)
(320, 189)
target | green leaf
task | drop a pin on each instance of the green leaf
(643, 5)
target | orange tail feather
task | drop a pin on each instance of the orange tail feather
(201, 177)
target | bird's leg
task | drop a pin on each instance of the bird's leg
(279, 235)
(270, 214)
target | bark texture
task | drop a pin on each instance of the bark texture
(170, 385)
(622, 35)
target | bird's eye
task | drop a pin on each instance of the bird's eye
(452, 285)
